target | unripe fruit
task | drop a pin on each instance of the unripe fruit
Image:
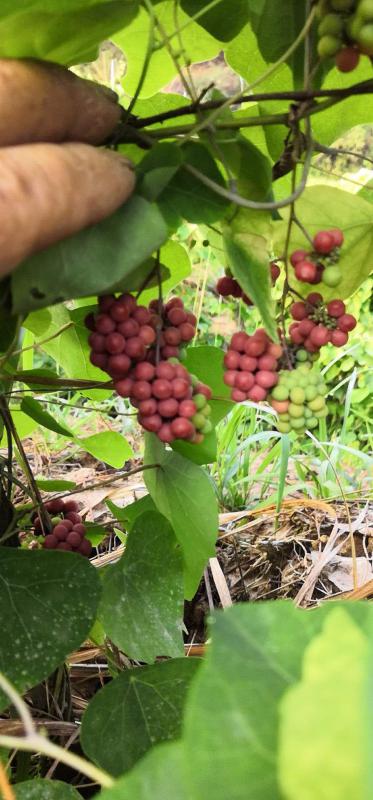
(331, 24)
(365, 39)
(298, 255)
(207, 428)
(336, 308)
(332, 276)
(200, 401)
(317, 404)
(298, 311)
(295, 410)
(323, 242)
(280, 392)
(305, 271)
(297, 395)
(365, 10)
(198, 420)
(338, 338)
(328, 46)
(347, 59)
(346, 323)
(342, 5)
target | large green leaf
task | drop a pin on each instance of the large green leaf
(108, 446)
(92, 261)
(286, 20)
(133, 40)
(159, 775)
(247, 242)
(324, 749)
(219, 21)
(41, 789)
(183, 492)
(68, 32)
(322, 207)
(333, 122)
(128, 514)
(134, 712)
(49, 602)
(142, 602)
(207, 363)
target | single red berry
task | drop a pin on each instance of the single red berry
(180, 388)
(118, 366)
(257, 394)
(255, 346)
(310, 346)
(55, 506)
(175, 302)
(176, 316)
(67, 523)
(169, 352)
(323, 242)
(225, 286)
(187, 409)
(305, 271)
(128, 301)
(50, 542)
(238, 396)
(105, 302)
(230, 376)
(319, 274)
(238, 342)
(347, 59)
(85, 548)
(79, 528)
(202, 388)
(119, 311)
(232, 359)
(147, 335)
(320, 335)
(151, 423)
(275, 271)
(60, 532)
(64, 546)
(275, 350)
(181, 372)
(73, 517)
(266, 379)
(338, 338)
(346, 323)
(142, 315)
(314, 298)
(305, 327)
(295, 335)
(135, 348)
(298, 255)
(236, 291)
(187, 331)
(192, 319)
(298, 311)
(172, 335)
(165, 433)
(104, 324)
(169, 407)
(123, 387)
(267, 362)
(70, 506)
(96, 342)
(337, 235)
(74, 539)
(148, 407)
(162, 389)
(99, 360)
(129, 328)
(115, 343)
(248, 363)
(166, 371)
(244, 381)
(182, 428)
(144, 371)
(336, 308)
(141, 390)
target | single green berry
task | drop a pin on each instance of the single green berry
(301, 355)
(311, 393)
(332, 276)
(297, 395)
(199, 420)
(328, 46)
(55, 520)
(312, 423)
(199, 401)
(365, 10)
(295, 410)
(321, 413)
(331, 25)
(206, 411)
(280, 392)
(342, 5)
(317, 404)
(365, 39)
(207, 428)
(283, 427)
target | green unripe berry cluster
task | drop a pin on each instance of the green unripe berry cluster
(302, 391)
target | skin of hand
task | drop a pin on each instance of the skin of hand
(54, 180)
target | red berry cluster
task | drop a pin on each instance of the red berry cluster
(171, 402)
(124, 333)
(320, 263)
(317, 324)
(251, 364)
(176, 327)
(67, 530)
(229, 287)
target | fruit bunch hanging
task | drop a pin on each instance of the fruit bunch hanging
(317, 324)
(345, 31)
(140, 348)
(321, 263)
(251, 365)
(228, 286)
(66, 531)
(299, 399)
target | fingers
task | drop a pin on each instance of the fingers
(44, 102)
(48, 192)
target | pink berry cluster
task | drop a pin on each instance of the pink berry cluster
(251, 366)
(124, 333)
(171, 402)
(227, 286)
(320, 264)
(67, 530)
(317, 324)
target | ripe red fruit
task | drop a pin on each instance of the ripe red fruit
(298, 255)
(74, 539)
(230, 376)
(257, 394)
(135, 348)
(202, 388)
(347, 59)
(238, 342)
(295, 334)
(105, 302)
(166, 371)
(274, 349)
(70, 506)
(147, 334)
(114, 343)
(255, 346)
(244, 381)
(182, 428)
(187, 331)
(305, 271)
(266, 379)
(50, 542)
(236, 291)
(142, 315)
(90, 322)
(55, 506)
(232, 359)
(238, 396)
(67, 523)
(176, 316)
(85, 548)
(168, 408)
(248, 363)
(338, 338)
(346, 323)
(192, 318)
(180, 388)
(336, 308)
(225, 286)
(148, 407)
(298, 311)
(124, 387)
(64, 546)
(172, 336)
(128, 301)
(323, 242)
(162, 389)
(119, 311)
(79, 528)
(187, 409)
(99, 360)
(267, 362)
(314, 298)
(337, 235)
(275, 271)
(165, 433)
(73, 517)
(320, 335)
(151, 423)
(141, 390)
(60, 532)
(144, 371)
(104, 324)
(305, 327)
(310, 346)
(175, 302)
(169, 352)
(118, 365)
(129, 328)
(181, 372)
(96, 342)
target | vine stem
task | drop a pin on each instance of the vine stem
(34, 742)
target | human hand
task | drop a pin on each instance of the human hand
(53, 182)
